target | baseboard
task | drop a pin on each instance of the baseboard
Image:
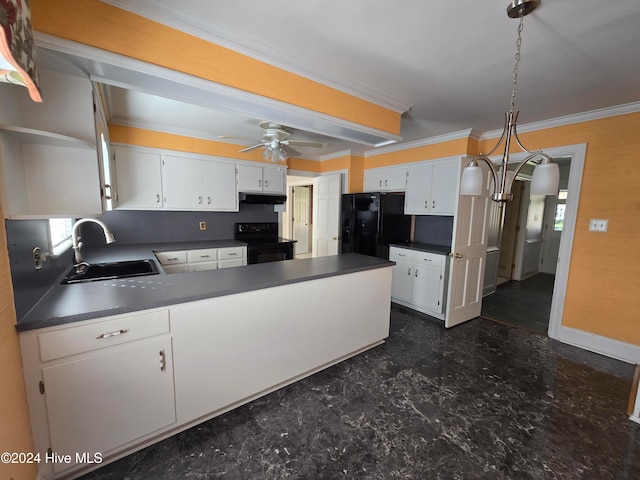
(626, 352)
(634, 399)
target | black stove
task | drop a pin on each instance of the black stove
(263, 243)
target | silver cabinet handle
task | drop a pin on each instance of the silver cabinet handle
(172, 259)
(208, 200)
(266, 183)
(111, 334)
(157, 198)
(409, 271)
(232, 253)
(163, 361)
(416, 272)
(205, 256)
(259, 183)
(199, 199)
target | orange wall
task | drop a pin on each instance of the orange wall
(15, 429)
(602, 293)
(104, 26)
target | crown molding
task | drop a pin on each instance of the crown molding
(598, 114)
(421, 143)
(215, 33)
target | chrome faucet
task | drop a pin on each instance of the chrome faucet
(77, 241)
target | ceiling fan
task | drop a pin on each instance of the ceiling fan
(276, 141)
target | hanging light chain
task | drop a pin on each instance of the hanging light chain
(515, 67)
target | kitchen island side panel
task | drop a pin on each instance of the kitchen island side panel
(232, 349)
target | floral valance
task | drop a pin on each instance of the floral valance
(17, 49)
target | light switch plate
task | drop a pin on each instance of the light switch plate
(598, 225)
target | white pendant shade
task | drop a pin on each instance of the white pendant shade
(471, 181)
(545, 179)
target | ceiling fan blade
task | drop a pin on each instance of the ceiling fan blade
(292, 152)
(237, 138)
(302, 143)
(254, 147)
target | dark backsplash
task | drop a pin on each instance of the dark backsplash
(130, 226)
(433, 229)
(29, 285)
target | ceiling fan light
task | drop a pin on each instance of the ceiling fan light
(545, 179)
(471, 181)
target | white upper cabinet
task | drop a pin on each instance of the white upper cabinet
(139, 178)
(432, 188)
(149, 179)
(194, 184)
(261, 179)
(48, 150)
(388, 179)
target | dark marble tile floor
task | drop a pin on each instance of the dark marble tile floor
(479, 401)
(523, 304)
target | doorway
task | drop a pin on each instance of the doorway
(530, 245)
(302, 219)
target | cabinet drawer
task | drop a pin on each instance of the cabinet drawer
(180, 268)
(169, 258)
(231, 252)
(202, 266)
(233, 262)
(401, 254)
(202, 255)
(73, 340)
(425, 258)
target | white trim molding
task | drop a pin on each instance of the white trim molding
(626, 352)
(220, 35)
(469, 133)
(570, 119)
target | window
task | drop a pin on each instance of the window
(558, 220)
(59, 235)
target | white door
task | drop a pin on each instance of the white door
(554, 221)
(469, 252)
(301, 219)
(326, 208)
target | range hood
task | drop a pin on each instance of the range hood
(262, 199)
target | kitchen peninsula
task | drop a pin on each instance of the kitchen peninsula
(113, 366)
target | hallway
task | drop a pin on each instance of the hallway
(525, 304)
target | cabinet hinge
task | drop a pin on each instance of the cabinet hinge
(440, 277)
(41, 387)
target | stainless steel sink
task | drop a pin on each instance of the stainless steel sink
(106, 271)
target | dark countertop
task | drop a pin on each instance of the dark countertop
(424, 247)
(83, 301)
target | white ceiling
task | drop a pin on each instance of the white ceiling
(451, 61)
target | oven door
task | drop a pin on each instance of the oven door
(272, 252)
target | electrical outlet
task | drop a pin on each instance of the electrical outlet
(598, 225)
(203, 225)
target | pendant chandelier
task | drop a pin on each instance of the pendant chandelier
(546, 175)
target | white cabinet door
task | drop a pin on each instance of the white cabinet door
(427, 287)
(432, 189)
(444, 187)
(249, 178)
(182, 183)
(219, 186)
(273, 180)
(385, 180)
(402, 280)
(139, 178)
(418, 195)
(98, 403)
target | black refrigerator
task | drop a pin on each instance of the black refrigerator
(371, 221)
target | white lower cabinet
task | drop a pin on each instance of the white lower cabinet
(419, 280)
(97, 387)
(100, 389)
(183, 261)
